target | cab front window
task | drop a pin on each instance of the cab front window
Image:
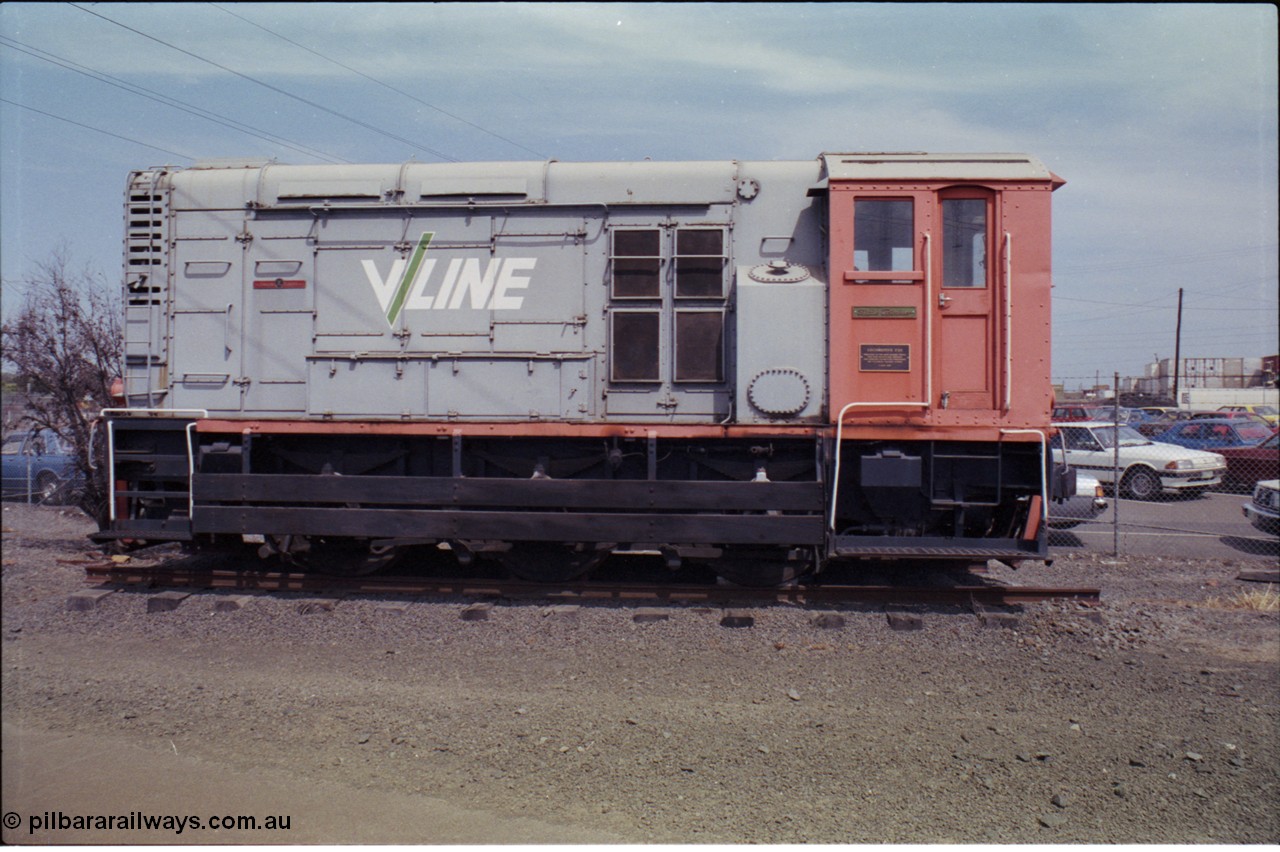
(883, 235)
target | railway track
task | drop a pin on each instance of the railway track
(180, 577)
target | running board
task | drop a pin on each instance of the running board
(850, 546)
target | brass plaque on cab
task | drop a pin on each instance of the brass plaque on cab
(884, 358)
(884, 311)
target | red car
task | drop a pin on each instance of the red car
(1076, 413)
(1247, 465)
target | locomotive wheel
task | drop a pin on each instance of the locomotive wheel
(342, 560)
(550, 562)
(761, 567)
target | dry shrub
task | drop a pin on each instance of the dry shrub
(1266, 599)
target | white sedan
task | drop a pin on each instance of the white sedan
(1147, 468)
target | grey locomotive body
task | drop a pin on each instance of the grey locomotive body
(527, 291)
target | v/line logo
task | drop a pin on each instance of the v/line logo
(463, 280)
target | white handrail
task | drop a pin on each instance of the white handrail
(1044, 474)
(928, 378)
(111, 448)
(835, 483)
(111, 473)
(191, 475)
(1008, 321)
(153, 412)
(928, 320)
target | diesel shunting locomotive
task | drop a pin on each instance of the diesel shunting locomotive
(762, 367)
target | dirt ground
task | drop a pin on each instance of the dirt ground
(1153, 718)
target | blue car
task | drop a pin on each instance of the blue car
(39, 467)
(1215, 434)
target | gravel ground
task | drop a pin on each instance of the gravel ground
(1150, 719)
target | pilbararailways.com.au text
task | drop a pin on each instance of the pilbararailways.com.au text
(139, 821)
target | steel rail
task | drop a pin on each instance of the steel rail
(581, 590)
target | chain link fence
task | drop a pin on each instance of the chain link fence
(1175, 483)
(39, 467)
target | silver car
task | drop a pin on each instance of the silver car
(1263, 511)
(1089, 502)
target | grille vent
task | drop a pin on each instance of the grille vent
(144, 242)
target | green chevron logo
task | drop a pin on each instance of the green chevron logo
(406, 280)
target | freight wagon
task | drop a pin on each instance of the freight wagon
(764, 367)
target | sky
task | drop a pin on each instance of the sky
(1162, 118)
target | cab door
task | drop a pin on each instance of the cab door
(964, 302)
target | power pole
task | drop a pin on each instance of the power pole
(1177, 350)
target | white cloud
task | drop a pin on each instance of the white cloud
(1162, 117)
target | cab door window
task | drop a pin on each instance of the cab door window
(964, 246)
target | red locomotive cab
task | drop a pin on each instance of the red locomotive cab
(939, 352)
(927, 267)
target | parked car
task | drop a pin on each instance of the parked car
(1147, 468)
(1263, 511)
(1267, 412)
(1133, 416)
(1246, 465)
(1243, 416)
(1065, 413)
(1089, 502)
(40, 466)
(1215, 434)
(1163, 421)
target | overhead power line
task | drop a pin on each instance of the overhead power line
(97, 129)
(159, 97)
(1169, 260)
(384, 85)
(313, 104)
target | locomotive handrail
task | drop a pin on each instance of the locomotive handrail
(928, 377)
(226, 329)
(191, 473)
(835, 482)
(499, 204)
(111, 448)
(1044, 478)
(1008, 321)
(928, 321)
(155, 412)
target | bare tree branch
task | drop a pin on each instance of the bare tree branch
(65, 347)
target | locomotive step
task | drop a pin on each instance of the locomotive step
(850, 546)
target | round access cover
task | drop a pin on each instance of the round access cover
(779, 392)
(779, 271)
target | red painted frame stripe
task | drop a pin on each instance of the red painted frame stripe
(280, 284)
(875, 432)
